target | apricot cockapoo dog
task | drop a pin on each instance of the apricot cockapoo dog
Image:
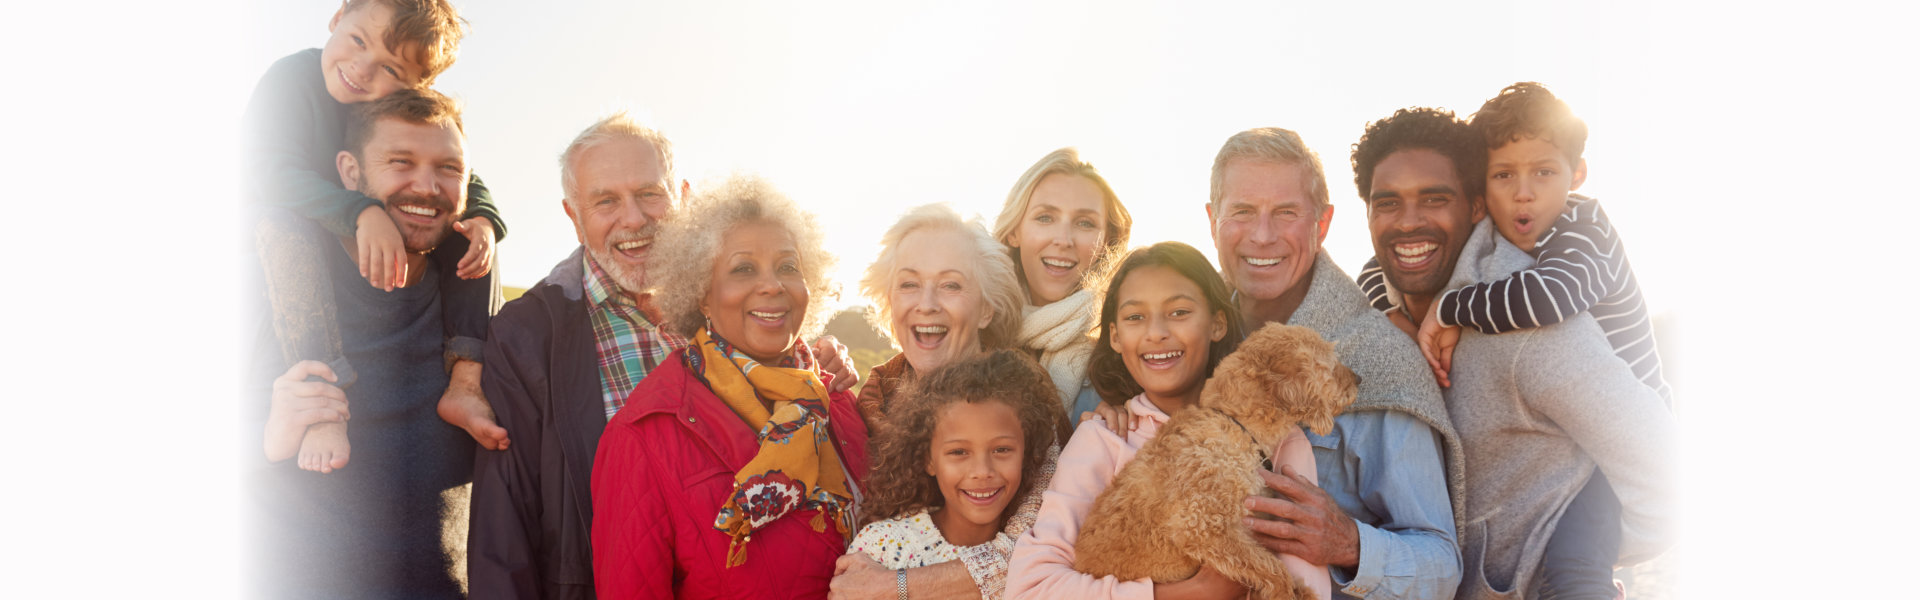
(1178, 504)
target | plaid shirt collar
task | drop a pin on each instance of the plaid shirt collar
(626, 334)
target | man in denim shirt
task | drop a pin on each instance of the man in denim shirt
(1382, 517)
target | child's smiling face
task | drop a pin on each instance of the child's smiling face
(977, 452)
(1527, 185)
(1163, 331)
(356, 62)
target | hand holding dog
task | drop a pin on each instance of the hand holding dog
(1310, 526)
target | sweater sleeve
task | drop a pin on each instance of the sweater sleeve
(1373, 281)
(480, 204)
(632, 545)
(1578, 262)
(283, 146)
(1575, 380)
(1042, 565)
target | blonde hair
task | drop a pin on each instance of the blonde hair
(1271, 144)
(614, 127)
(680, 269)
(1063, 161)
(993, 274)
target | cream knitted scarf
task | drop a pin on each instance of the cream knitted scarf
(1059, 331)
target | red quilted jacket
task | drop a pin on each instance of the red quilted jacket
(664, 467)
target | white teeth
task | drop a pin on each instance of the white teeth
(1415, 249)
(636, 244)
(1057, 263)
(929, 329)
(982, 496)
(767, 315)
(1163, 355)
(418, 210)
(1261, 262)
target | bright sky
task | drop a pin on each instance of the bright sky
(1756, 160)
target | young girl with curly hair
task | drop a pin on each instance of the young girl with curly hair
(970, 440)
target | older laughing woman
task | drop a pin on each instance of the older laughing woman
(731, 472)
(945, 291)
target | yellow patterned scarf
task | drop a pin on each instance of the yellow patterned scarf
(796, 468)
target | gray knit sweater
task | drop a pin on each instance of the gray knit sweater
(1536, 409)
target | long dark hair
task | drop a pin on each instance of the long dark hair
(899, 484)
(1108, 371)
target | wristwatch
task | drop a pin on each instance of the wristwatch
(900, 582)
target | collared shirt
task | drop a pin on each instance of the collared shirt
(626, 333)
(1379, 467)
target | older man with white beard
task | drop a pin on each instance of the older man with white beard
(561, 360)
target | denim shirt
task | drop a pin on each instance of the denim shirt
(1383, 468)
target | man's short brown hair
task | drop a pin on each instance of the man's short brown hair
(417, 106)
(1527, 110)
(426, 32)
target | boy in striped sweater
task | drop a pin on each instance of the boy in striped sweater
(1534, 163)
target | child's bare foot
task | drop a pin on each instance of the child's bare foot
(324, 448)
(464, 406)
(471, 412)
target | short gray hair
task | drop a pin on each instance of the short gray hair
(680, 270)
(1271, 144)
(992, 270)
(613, 127)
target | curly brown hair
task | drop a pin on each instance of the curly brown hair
(1106, 368)
(1429, 128)
(899, 484)
(426, 32)
(1527, 110)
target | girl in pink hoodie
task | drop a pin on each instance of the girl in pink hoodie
(1166, 322)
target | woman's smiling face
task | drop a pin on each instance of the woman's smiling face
(1062, 231)
(758, 295)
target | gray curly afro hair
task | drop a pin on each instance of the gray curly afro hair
(680, 270)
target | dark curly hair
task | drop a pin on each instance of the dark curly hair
(1527, 110)
(1430, 128)
(899, 484)
(1107, 369)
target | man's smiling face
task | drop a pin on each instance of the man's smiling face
(418, 170)
(1420, 216)
(1266, 227)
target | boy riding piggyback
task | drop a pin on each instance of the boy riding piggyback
(296, 122)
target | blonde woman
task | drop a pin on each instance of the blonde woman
(1061, 224)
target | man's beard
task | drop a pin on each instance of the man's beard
(421, 239)
(1426, 284)
(630, 279)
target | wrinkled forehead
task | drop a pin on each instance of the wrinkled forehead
(1265, 183)
(619, 164)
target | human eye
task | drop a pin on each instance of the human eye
(951, 286)
(1545, 172)
(1385, 204)
(1086, 224)
(1044, 219)
(357, 41)
(1006, 450)
(789, 267)
(1501, 175)
(1181, 312)
(399, 161)
(1436, 199)
(1132, 317)
(743, 267)
(909, 285)
(957, 452)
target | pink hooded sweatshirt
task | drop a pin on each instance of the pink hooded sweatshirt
(1042, 565)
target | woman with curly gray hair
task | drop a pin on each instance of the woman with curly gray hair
(732, 471)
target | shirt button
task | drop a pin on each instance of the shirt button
(692, 420)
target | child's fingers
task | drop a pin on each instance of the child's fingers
(300, 371)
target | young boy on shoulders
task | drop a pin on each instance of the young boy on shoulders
(296, 122)
(1534, 163)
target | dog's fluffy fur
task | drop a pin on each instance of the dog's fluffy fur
(1178, 504)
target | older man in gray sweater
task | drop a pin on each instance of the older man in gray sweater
(1536, 409)
(1381, 514)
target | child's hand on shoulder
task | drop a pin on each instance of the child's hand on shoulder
(383, 254)
(1437, 342)
(479, 258)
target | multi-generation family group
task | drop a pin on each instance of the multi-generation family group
(1479, 414)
